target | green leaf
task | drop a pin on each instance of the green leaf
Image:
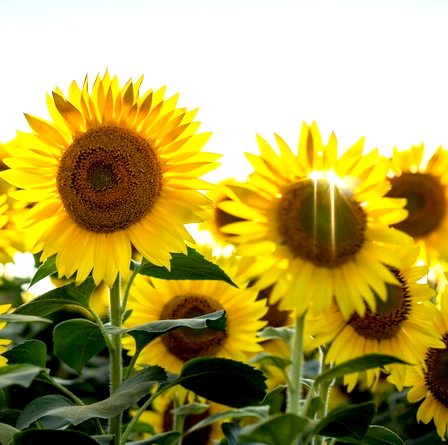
(53, 300)
(259, 412)
(278, 429)
(350, 421)
(358, 364)
(315, 406)
(38, 408)
(146, 333)
(191, 408)
(33, 437)
(282, 333)
(77, 341)
(6, 433)
(379, 435)
(263, 358)
(128, 393)
(223, 381)
(185, 267)
(45, 270)
(21, 374)
(33, 352)
(15, 318)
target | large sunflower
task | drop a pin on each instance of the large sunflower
(318, 224)
(114, 170)
(425, 186)
(172, 299)
(429, 379)
(399, 326)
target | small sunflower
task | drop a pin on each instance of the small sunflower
(398, 326)
(318, 224)
(4, 342)
(114, 170)
(429, 379)
(173, 299)
(425, 187)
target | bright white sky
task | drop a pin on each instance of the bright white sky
(377, 68)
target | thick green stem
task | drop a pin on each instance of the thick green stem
(116, 366)
(295, 380)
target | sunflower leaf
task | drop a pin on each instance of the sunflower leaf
(53, 300)
(52, 436)
(32, 352)
(20, 374)
(281, 428)
(47, 268)
(146, 333)
(128, 393)
(223, 381)
(77, 341)
(263, 358)
(7, 432)
(16, 318)
(346, 422)
(192, 266)
(358, 364)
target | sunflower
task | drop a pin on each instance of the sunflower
(399, 326)
(425, 186)
(318, 224)
(172, 299)
(114, 170)
(160, 417)
(4, 342)
(429, 379)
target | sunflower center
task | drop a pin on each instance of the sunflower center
(437, 371)
(188, 343)
(109, 178)
(390, 314)
(426, 202)
(321, 223)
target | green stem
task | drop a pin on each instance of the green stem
(116, 366)
(100, 324)
(127, 289)
(295, 386)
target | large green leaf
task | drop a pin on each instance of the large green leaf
(259, 412)
(223, 381)
(6, 433)
(16, 318)
(278, 429)
(358, 364)
(77, 341)
(21, 374)
(47, 268)
(350, 421)
(129, 392)
(146, 333)
(33, 352)
(377, 435)
(192, 266)
(33, 437)
(53, 300)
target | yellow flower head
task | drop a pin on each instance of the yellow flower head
(173, 299)
(318, 223)
(429, 379)
(114, 170)
(425, 186)
(399, 326)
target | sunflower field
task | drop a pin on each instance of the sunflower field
(305, 305)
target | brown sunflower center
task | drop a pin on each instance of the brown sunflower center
(188, 343)
(426, 202)
(321, 223)
(390, 314)
(108, 179)
(436, 373)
